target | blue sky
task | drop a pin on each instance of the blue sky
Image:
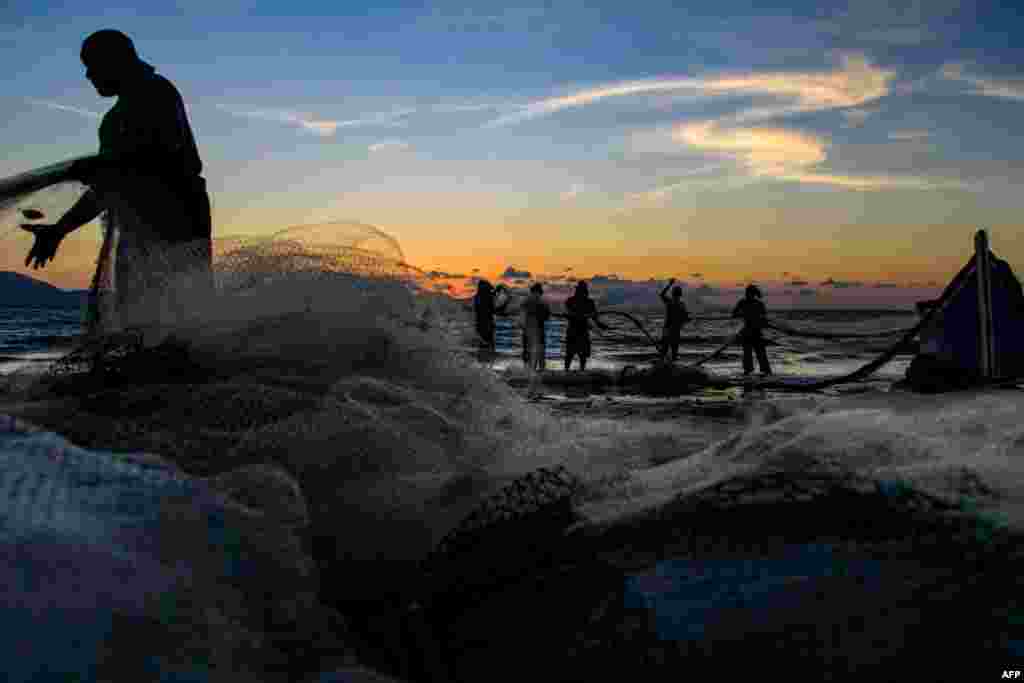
(857, 141)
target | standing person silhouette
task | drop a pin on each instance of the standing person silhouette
(676, 316)
(753, 312)
(535, 316)
(485, 308)
(146, 182)
(581, 310)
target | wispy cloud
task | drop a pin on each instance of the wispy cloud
(87, 113)
(307, 122)
(320, 126)
(664, 192)
(854, 84)
(908, 135)
(788, 155)
(1009, 89)
(764, 151)
(389, 146)
(472, 106)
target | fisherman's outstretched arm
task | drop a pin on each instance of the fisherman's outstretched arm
(49, 237)
(142, 162)
(664, 292)
(84, 210)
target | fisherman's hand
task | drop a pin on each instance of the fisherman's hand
(48, 238)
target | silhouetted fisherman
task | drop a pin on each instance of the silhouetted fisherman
(753, 312)
(535, 315)
(676, 316)
(580, 310)
(146, 179)
(484, 305)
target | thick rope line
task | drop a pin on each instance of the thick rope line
(793, 332)
(716, 353)
(657, 344)
(882, 359)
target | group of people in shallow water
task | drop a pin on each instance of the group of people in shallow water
(581, 310)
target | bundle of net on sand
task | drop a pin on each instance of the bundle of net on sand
(340, 267)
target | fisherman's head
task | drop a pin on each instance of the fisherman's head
(582, 289)
(536, 289)
(483, 286)
(110, 61)
(677, 292)
(753, 292)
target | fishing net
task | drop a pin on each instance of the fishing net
(339, 267)
(336, 250)
(47, 191)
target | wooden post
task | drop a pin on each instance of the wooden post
(983, 269)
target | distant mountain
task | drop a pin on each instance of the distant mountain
(21, 290)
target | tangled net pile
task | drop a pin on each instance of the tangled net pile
(509, 532)
(527, 495)
(293, 270)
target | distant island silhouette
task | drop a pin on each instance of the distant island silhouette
(21, 290)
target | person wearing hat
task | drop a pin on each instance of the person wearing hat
(676, 316)
(753, 312)
(145, 181)
(580, 310)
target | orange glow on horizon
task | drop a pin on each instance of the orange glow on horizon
(721, 262)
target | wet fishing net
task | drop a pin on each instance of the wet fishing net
(38, 195)
(335, 267)
(335, 250)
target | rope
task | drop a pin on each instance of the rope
(885, 357)
(716, 353)
(861, 372)
(702, 318)
(786, 329)
(658, 345)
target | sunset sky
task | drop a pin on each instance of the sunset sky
(841, 146)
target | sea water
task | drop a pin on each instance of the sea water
(31, 335)
(790, 356)
(35, 332)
